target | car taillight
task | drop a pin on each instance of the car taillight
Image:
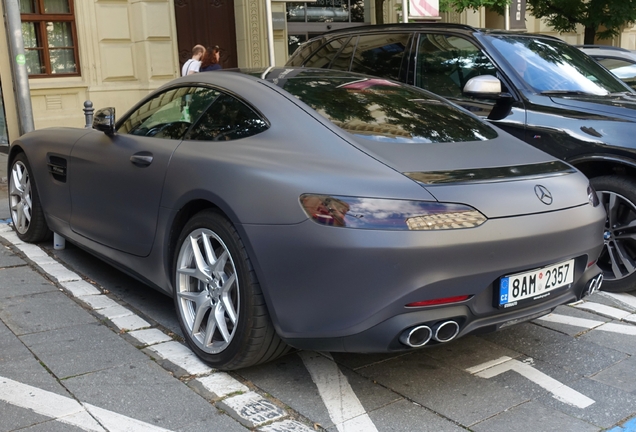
(388, 214)
(439, 301)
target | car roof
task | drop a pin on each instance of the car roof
(462, 28)
(607, 51)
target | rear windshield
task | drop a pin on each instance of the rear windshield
(382, 110)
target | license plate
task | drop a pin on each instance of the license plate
(535, 283)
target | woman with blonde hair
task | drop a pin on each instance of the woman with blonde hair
(210, 60)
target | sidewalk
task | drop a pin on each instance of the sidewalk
(73, 358)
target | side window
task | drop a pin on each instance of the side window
(227, 119)
(323, 57)
(169, 114)
(380, 55)
(445, 63)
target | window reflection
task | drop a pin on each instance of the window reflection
(326, 11)
(386, 111)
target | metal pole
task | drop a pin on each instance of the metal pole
(405, 11)
(270, 32)
(507, 17)
(13, 24)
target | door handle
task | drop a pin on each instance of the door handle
(141, 160)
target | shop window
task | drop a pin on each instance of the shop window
(50, 37)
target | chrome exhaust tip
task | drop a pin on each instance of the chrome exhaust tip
(417, 336)
(593, 285)
(446, 331)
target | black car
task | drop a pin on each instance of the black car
(539, 88)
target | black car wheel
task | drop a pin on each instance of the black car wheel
(218, 299)
(618, 259)
(24, 203)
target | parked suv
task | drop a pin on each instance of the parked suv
(620, 61)
(538, 88)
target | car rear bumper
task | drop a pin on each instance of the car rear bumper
(343, 289)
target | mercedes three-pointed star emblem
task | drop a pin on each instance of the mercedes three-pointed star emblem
(543, 194)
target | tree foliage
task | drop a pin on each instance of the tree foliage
(601, 18)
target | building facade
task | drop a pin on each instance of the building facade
(113, 52)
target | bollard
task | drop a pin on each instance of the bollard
(59, 242)
(88, 113)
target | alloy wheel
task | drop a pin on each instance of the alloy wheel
(20, 197)
(618, 259)
(208, 290)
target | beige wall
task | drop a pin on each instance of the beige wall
(11, 116)
(126, 49)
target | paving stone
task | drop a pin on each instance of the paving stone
(130, 322)
(217, 385)
(524, 337)
(579, 356)
(20, 281)
(53, 426)
(251, 409)
(572, 330)
(625, 343)
(100, 301)
(142, 338)
(604, 310)
(145, 392)
(286, 426)
(59, 273)
(81, 288)
(81, 349)
(178, 359)
(9, 259)
(42, 312)
(14, 417)
(469, 351)
(611, 405)
(533, 416)
(404, 415)
(620, 375)
(447, 391)
(288, 380)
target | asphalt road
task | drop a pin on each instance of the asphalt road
(571, 371)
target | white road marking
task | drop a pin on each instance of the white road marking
(344, 407)
(69, 411)
(559, 390)
(591, 324)
(604, 310)
(573, 321)
(626, 299)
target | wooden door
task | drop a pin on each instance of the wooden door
(209, 23)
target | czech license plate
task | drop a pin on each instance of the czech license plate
(535, 283)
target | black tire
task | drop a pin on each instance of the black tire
(242, 332)
(618, 259)
(24, 203)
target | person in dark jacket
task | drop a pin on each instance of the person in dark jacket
(210, 60)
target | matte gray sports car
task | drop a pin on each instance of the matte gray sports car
(315, 209)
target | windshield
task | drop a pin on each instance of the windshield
(387, 111)
(552, 66)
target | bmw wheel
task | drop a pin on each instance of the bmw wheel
(618, 258)
(218, 299)
(24, 203)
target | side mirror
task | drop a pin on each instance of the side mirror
(483, 87)
(104, 120)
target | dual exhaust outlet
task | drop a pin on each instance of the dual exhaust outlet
(422, 334)
(593, 285)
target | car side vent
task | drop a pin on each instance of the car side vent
(57, 168)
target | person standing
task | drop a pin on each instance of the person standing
(193, 65)
(210, 60)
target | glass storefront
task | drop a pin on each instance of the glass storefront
(306, 20)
